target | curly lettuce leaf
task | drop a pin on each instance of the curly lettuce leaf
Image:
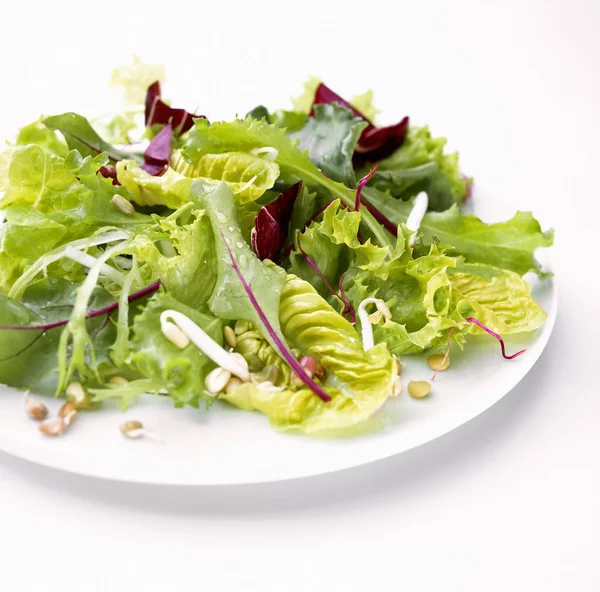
(33, 176)
(359, 382)
(170, 189)
(135, 78)
(443, 182)
(188, 272)
(418, 293)
(37, 133)
(304, 102)
(330, 137)
(498, 298)
(248, 176)
(180, 371)
(509, 245)
(364, 104)
(333, 246)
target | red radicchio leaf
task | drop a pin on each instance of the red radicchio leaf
(493, 334)
(109, 171)
(158, 112)
(375, 143)
(286, 354)
(271, 226)
(158, 153)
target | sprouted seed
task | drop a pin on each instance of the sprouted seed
(54, 426)
(418, 389)
(444, 363)
(35, 409)
(68, 413)
(133, 429)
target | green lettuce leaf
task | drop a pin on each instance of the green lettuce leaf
(334, 246)
(248, 176)
(359, 382)
(303, 103)
(29, 358)
(170, 189)
(330, 137)
(189, 271)
(417, 290)
(364, 104)
(229, 299)
(35, 177)
(135, 78)
(498, 298)
(421, 164)
(37, 133)
(180, 371)
(509, 245)
(81, 136)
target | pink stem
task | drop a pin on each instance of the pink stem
(493, 334)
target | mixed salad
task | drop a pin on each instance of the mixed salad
(281, 262)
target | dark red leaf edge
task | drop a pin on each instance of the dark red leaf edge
(375, 143)
(158, 112)
(271, 227)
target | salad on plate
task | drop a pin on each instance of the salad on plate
(282, 262)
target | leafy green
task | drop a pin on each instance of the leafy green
(189, 273)
(359, 382)
(330, 137)
(498, 298)
(229, 299)
(248, 176)
(81, 136)
(334, 246)
(404, 174)
(180, 371)
(28, 357)
(37, 133)
(303, 103)
(170, 189)
(364, 104)
(35, 177)
(509, 245)
(136, 78)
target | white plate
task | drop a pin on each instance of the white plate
(228, 446)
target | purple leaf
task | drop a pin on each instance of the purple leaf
(159, 150)
(325, 96)
(379, 142)
(271, 226)
(158, 112)
(109, 171)
(286, 354)
(375, 143)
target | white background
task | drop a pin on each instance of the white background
(510, 501)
